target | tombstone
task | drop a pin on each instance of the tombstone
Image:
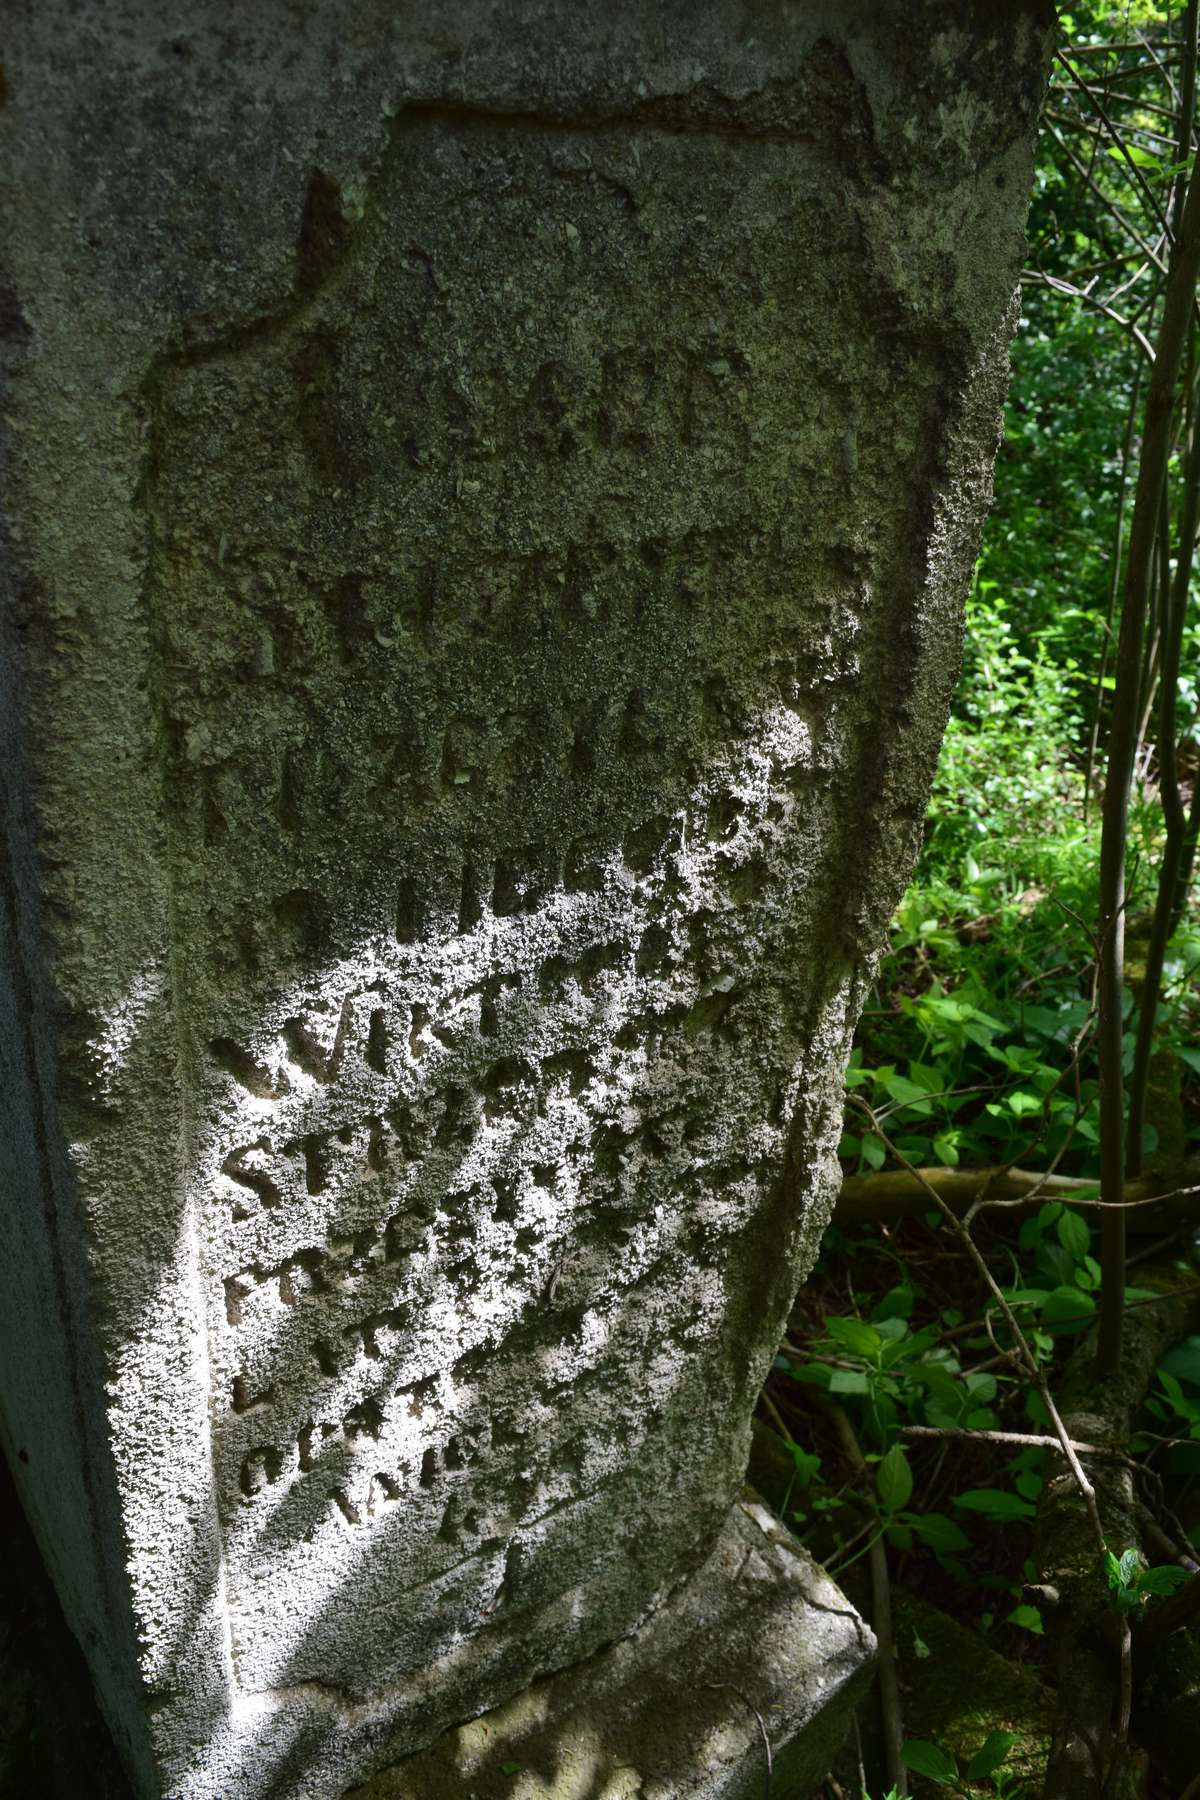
(490, 493)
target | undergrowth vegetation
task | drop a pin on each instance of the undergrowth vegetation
(908, 1429)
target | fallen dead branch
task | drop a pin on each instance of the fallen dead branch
(907, 1192)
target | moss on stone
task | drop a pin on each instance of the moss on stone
(964, 1689)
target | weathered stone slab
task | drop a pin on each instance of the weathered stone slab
(756, 1654)
(490, 490)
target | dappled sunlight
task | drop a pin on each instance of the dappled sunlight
(532, 607)
(402, 1190)
(471, 1225)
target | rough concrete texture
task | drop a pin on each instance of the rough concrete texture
(490, 491)
(756, 1649)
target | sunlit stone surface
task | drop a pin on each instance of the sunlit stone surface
(491, 495)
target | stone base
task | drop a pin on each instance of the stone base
(670, 1713)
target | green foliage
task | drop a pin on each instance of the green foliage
(1173, 1412)
(1029, 1618)
(888, 1374)
(930, 1760)
(1132, 1583)
(987, 983)
(977, 1049)
(965, 1061)
(941, 1766)
(976, 1046)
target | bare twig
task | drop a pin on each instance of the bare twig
(1164, 1545)
(1124, 1697)
(896, 1193)
(1175, 595)
(1063, 116)
(1109, 205)
(1058, 286)
(1032, 1439)
(1118, 142)
(777, 1417)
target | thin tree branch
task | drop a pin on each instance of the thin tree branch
(1139, 180)
(1179, 298)
(1058, 286)
(1109, 205)
(1176, 597)
(1114, 586)
(1034, 1439)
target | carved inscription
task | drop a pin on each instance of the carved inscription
(505, 630)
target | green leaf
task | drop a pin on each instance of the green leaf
(817, 1374)
(849, 1381)
(929, 1760)
(1163, 1579)
(995, 1504)
(1129, 1567)
(993, 1752)
(906, 1092)
(1067, 1310)
(807, 1464)
(940, 1385)
(854, 1335)
(874, 1150)
(945, 1148)
(939, 1532)
(1028, 1618)
(1133, 153)
(897, 1303)
(1073, 1234)
(1184, 1361)
(893, 1479)
(930, 1080)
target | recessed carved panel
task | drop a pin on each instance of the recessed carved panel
(503, 627)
